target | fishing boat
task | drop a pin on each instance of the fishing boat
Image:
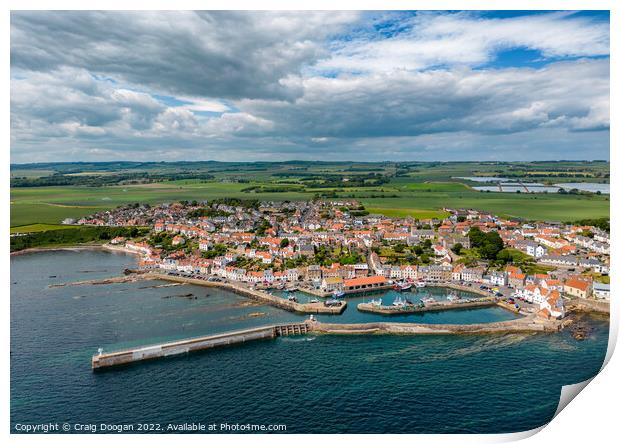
(420, 284)
(453, 297)
(403, 286)
(398, 302)
(428, 300)
(338, 294)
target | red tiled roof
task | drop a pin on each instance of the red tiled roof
(364, 281)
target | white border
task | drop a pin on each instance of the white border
(591, 418)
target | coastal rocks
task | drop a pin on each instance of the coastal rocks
(257, 314)
(186, 296)
(129, 271)
(580, 330)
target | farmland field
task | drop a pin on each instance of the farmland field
(417, 190)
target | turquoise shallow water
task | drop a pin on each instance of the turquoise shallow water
(352, 315)
(414, 384)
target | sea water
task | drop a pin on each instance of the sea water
(315, 384)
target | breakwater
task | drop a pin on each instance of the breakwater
(173, 348)
(531, 324)
(257, 295)
(463, 304)
(312, 307)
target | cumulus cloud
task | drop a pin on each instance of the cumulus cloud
(462, 39)
(249, 86)
(574, 95)
(205, 54)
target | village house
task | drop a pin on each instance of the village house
(560, 261)
(331, 284)
(578, 288)
(498, 278)
(601, 291)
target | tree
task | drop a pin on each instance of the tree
(284, 243)
(456, 248)
(505, 257)
(488, 244)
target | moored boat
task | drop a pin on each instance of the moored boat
(376, 302)
(453, 297)
(428, 300)
(398, 302)
(420, 284)
(338, 294)
(404, 286)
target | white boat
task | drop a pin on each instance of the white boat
(338, 294)
(402, 286)
(453, 297)
(428, 300)
(398, 302)
(420, 284)
(314, 300)
(376, 302)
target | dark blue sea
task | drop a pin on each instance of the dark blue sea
(312, 384)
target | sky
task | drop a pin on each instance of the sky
(271, 86)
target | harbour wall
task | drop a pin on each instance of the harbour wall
(173, 348)
(530, 324)
(391, 310)
(313, 307)
(581, 304)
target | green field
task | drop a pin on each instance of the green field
(50, 205)
(405, 212)
(420, 190)
(35, 228)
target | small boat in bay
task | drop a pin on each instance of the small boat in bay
(376, 302)
(338, 294)
(453, 297)
(402, 286)
(420, 284)
(428, 300)
(292, 298)
(398, 302)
